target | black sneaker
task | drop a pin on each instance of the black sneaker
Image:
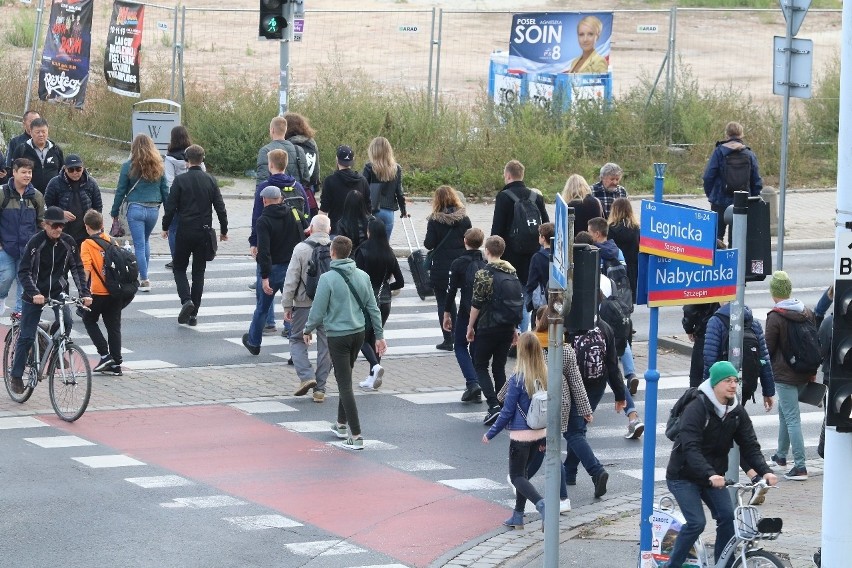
(253, 349)
(106, 361)
(170, 265)
(600, 484)
(192, 322)
(779, 461)
(632, 383)
(472, 395)
(491, 415)
(797, 474)
(17, 385)
(114, 370)
(445, 346)
(186, 311)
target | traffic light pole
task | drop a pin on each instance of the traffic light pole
(284, 59)
(836, 496)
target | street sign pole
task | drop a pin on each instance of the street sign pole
(785, 132)
(284, 58)
(561, 274)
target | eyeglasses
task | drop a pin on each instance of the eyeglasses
(56, 225)
(731, 381)
(75, 169)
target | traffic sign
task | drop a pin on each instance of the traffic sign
(678, 232)
(801, 61)
(843, 258)
(798, 9)
(675, 282)
(561, 244)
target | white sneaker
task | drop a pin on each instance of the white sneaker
(564, 506)
(367, 384)
(377, 373)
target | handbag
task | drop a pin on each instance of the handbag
(375, 195)
(213, 243)
(813, 393)
(120, 226)
(427, 262)
(368, 321)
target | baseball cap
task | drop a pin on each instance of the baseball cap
(54, 215)
(345, 155)
(73, 161)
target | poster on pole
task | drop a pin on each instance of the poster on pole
(124, 44)
(560, 42)
(64, 72)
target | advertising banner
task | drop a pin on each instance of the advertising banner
(562, 42)
(64, 71)
(124, 43)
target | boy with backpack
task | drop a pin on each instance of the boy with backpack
(495, 312)
(539, 273)
(462, 273)
(794, 351)
(98, 253)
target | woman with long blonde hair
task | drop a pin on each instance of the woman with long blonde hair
(445, 229)
(524, 443)
(578, 194)
(385, 178)
(142, 182)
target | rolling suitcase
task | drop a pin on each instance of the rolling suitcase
(416, 261)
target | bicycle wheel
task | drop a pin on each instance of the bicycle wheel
(759, 559)
(70, 389)
(8, 357)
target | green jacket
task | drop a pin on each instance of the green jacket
(336, 309)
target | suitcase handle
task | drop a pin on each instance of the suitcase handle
(407, 239)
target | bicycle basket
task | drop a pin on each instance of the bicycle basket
(745, 522)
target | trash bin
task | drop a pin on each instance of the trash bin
(156, 121)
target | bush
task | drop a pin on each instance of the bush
(22, 29)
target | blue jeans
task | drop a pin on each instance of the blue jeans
(258, 292)
(464, 351)
(388, 217)
(579, 450)
(790, 423)
(173, 227)
(30, 316)
(525, 315)
(258, 320)
(8, 274)
(627, 361)
(689, 496)
(142, 219)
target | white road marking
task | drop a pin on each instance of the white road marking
(209, 502)
(261, 522)
(440, 397)
(420, 465)
(323, 548)
(474, 484)
(160, 481)
(368, 445)
(659, 473)
(118, 460)
(307, 426)
(147, 364)
(20, 422)
(471, 417)
(59, 442)
(264, 407)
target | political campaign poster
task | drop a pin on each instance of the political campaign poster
(64, 72)
(124, 44)
(560, 42)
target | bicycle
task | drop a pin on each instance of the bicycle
(56, 357)
(744, 546)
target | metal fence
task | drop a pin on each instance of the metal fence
(445, 53)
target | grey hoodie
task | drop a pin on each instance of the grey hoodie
(721, 409)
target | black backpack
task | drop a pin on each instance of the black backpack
(673, 423)
(505, 309)
(613, 313)
(621, 289)
(318, 265)
(751, 356)
(526, 218)
(803, 344)
(296, 203)
(736, 173)
(590, 348)
(121, 271)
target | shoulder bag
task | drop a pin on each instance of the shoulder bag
(427, 262)
(368, 321)
(120, 227)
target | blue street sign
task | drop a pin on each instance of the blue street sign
(675, 282)
(561, 241)
(677, 231)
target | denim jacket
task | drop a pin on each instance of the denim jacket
(516, 397)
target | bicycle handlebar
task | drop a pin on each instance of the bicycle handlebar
(65, 300)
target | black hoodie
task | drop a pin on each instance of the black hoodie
(336, 187)
(278, 233)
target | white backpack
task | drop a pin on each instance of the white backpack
(536, 416)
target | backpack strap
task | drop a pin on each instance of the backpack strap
(104, 245)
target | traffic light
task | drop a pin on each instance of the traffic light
(586, 282)
(839, 407)
(758, 250)
(272, 22)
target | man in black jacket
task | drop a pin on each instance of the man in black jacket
(26, 121)
(337, 186)
(504, 214)
(278, 233)
(709, 425)
(46, 156)
(48, 258)
(75, 191)
(192, 196)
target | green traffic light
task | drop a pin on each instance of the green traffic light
(272, 26)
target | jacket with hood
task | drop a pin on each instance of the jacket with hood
(61, 192)
(45, 265)
(297, 163)
(336, 309)
(176, 164)
(716, 339)
(380, 273)
(714, 178)
(312, 161)
(295, 293)
(458, 281)
(43, 171)
(335, 188)
(391, 195)
(280, 181)
(609, 252)
(777, 320)
(278, 233)
(483, 284)
(501, 223)
(516, 405)
(450, 224)
(20, 219)
(708, 429)
(138, 190)
(539, 273)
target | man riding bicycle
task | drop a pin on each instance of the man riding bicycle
(48, 257)
(709, 425)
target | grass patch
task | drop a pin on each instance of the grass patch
(22, 29)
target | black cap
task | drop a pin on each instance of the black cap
(54, 215)
(345, 155)
(73, 161)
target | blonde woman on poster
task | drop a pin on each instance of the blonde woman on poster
(590, 61)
